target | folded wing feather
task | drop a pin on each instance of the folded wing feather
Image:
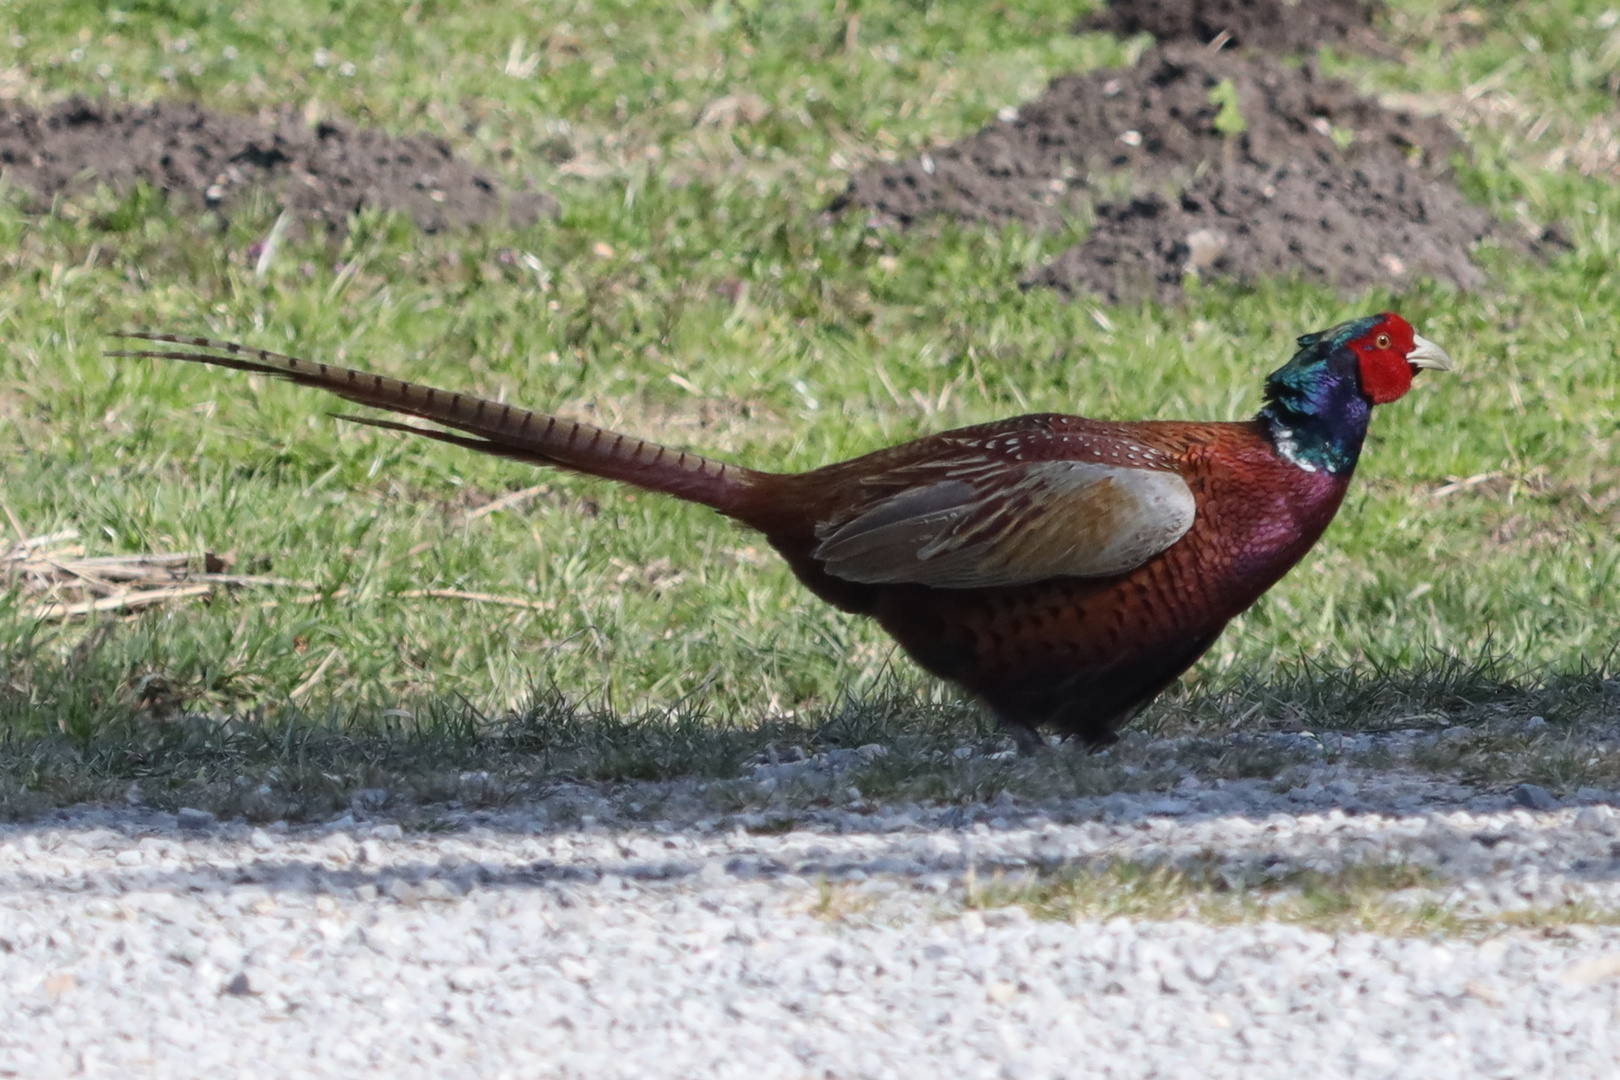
(1020, 523)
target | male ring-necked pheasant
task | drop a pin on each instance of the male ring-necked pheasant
(1063, 570)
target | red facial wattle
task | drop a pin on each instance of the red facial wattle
(1385, 376)
(1386, 373)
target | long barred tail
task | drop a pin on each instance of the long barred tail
(496, 428)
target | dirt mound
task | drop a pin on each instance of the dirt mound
(1282, 26)
(1210, 163)
(325, 172)
(1155, 122)
(1351, 227)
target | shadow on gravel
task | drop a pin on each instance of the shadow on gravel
(83, 730)
(1429, 798)
(1428, 871)
(410, 883)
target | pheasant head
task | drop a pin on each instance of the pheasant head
(1318, 404)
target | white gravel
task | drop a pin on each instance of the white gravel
(141, 943)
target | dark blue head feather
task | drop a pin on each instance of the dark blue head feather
(1315, 408)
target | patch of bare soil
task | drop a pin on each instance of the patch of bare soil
(1282, 26)
(1351, 227)
(1156, 123)
(323, 172)
(1206, 162)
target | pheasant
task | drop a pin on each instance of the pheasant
(1063, 570)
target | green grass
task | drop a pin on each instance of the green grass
(1391, 899)
(687, 761)
(693, 291)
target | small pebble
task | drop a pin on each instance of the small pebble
(193, 819)
(1535, 797)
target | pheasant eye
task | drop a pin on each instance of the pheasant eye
(1383, 341)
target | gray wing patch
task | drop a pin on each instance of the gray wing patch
(1023, 523)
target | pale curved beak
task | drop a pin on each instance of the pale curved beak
(1426, 354)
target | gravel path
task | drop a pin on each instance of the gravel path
(141, 943)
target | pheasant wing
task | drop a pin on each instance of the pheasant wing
(1010, 523)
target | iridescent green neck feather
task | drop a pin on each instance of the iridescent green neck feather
(1315, 409)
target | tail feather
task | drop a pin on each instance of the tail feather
(496, 428)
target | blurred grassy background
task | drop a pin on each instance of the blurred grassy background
(693, 292)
